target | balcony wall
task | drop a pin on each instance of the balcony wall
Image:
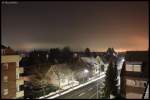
(19, 94)
(19, 82)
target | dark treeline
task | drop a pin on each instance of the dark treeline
(59, 56)
(52, 56)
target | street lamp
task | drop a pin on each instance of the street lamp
(47, 56)
(85, 72)
(123, 59)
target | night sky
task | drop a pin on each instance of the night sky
(97, 25)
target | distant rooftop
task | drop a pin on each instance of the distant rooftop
(7, 50)
(3, 47)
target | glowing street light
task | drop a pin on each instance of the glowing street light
(123, 60)
(86, 71)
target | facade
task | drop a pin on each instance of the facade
(11, 83)
(134, 75)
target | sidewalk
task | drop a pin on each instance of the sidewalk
(77, 86)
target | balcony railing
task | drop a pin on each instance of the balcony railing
(19, 94)
(19, 82)
(19, 70)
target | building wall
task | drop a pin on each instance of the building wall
(11, 81)
(134, 88)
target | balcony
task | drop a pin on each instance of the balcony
(19, 82)
(19, 70)
(19, 94)
(10, 58)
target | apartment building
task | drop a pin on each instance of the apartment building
(11, 82)
(134, 75)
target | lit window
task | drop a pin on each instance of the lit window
(5, 78)
(129, 67)
(5, 91)
(130, 82)
(137, 68)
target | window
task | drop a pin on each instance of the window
(5, 65)
(129, 67)
(135, 83)
(5, 78)
(5, 91)
(137, 68)
(130, 82)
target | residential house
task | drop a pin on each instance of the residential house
(61, 75)
(134, 75)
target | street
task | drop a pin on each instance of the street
(87, 92)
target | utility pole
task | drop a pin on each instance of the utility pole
(59, 83)
(72, 80)
(99, 76)
(98, 83)
(97, 89)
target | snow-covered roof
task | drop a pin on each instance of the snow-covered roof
(92, 60)
(89, 60)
